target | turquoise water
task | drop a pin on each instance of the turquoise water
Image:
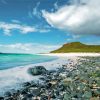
(13, 60)
(12, 75)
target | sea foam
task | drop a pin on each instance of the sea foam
(14, 78)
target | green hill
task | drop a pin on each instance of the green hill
(77, 47)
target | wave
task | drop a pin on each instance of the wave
(14, 78)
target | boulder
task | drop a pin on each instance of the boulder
(37, 70)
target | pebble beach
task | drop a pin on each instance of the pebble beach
(67, 78)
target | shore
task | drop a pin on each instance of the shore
(63, 79)
(13, 78)
(73, 54)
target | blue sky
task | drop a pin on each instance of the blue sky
(34, 26)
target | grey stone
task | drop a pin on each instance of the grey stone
(37, 70)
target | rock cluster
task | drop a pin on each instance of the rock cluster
(77, 82)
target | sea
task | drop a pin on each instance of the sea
(13, 69)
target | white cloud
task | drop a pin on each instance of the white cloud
(35, 11)
(27, 48)
(27, 29)
(23, 29)
(44, 30)
(79, 17)
(74, 37)
(8, 27)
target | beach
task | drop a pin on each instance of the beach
(73, 54)
(49, 85)
(14, 77)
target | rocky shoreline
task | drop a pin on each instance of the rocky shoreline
(73, 81)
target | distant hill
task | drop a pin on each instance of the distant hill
(77, 47)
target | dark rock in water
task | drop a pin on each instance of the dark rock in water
(37, 70)
(35, 91)
(52, 71)
(24, 98)
(42, 78)
(52, 94)
(24, 92)
(44, 97)
(8, 94)
(1, 98)
(34, 85)
(49, 85)
(27, 84)
(28, 97)
(10, 98)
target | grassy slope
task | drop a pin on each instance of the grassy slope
(77, 47)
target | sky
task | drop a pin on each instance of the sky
(38, 26)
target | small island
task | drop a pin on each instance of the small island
(77, 47)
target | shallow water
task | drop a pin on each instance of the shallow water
(12, 60)
(14, 69)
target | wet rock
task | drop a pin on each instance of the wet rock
(20, 97)
(1, 98)
(36, 98)
(8, 94)
(48, 85)
(42, 78)
(10, 98)
(27, 84)
(24, 92)
(34, 84)
(28, 97)
(53, 82)
(87, 95)
(24, 98)
(37, 70)
(67, 97)
(96, 92)
(52, 94)
(36, 91)
(62, 75)
(66, 82)
(44, 97)
(52, 71)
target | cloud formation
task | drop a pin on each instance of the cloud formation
(23, 29)
(81, 17)
(27, 48)
(35, 12)
(56, 5)
(8, 27)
